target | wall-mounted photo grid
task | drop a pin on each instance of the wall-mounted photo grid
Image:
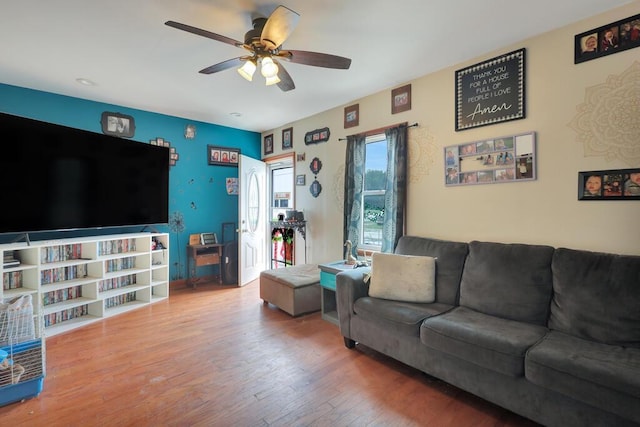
(506, 159)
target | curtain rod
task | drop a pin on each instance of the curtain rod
(381, 130)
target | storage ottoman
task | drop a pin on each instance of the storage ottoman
(295, 289)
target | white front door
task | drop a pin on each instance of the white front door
(252, 232)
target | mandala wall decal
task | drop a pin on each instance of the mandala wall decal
(608, 121)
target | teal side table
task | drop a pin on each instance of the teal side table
(328, 306)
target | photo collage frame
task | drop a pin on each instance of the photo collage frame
(509, 158)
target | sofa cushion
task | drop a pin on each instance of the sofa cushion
(601, 375)
(488, 341)
(596, 296)
(450, 257)
(407, 278)
(512, 281)
(401, 317)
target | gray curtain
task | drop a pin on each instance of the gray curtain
(353, 187)
(396, 187)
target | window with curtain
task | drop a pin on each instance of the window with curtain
(375, 172)
(375, 189)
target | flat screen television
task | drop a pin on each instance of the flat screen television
(60, 178)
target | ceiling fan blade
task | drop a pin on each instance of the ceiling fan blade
(225, 65)
(316, 59)
(286, 82)
(204, 33)
(278, 27)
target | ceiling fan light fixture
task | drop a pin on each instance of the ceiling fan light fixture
(272, 80)
(269, 68)
(248, 69)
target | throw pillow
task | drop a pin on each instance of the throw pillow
(406, 278)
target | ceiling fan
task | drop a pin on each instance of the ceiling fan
(264, 43)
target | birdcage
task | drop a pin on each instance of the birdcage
(22, 352)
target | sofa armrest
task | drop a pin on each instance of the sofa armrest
(350, 286)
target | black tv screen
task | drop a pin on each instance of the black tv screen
(60, 178)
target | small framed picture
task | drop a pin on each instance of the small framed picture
(301, 179)
(116, 124)
(268, 144)
(401, 99)
(222, 156)
(287, 138)
(351, 116)
(619, 184)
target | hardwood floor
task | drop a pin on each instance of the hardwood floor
(216, 356)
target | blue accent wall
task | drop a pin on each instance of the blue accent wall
(198, 198)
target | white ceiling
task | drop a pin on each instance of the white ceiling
(136, 61)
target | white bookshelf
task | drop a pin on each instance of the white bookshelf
(78, 281)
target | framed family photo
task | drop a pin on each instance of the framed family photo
(287, 138)
(222, 156)
(116, 124)
(268, 144)
(606, 40)
(401, 99)
(351, 116)
(618, 184)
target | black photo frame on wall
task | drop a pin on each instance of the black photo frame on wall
(223, 156)
(491, 92)
(606, 40)
(617, 184)
(117, 124)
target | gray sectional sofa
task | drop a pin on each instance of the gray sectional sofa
(550, 334)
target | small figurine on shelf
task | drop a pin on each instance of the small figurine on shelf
(350, 259)
(15, 369)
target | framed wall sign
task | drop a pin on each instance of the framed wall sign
(222, 156)
(117, 124)
(491, 92)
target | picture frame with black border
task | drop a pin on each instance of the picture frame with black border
(301, 179)
(613, 184)
(118, 124)
(268, 144)
(222, 156)
(611, 38)
(491, 91)
(287, 138)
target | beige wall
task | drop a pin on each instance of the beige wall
(544, 211)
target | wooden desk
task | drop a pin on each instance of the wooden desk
(201, 255)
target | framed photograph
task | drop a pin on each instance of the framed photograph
(401, 99)
(287, 138)
(268, 144)
(491, 92)
(608, 39)
(301, 179)
(618, 184)
(190, 131)
(117, 124)
(351, 116)
(222, 156)
(317, 135)
(510, 158)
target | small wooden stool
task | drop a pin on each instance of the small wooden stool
(295, 290)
